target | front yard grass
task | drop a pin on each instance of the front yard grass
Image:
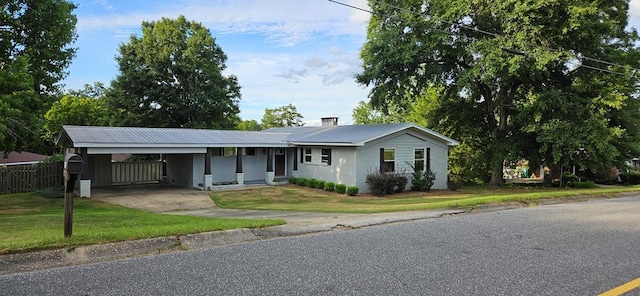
(298, 198)
(30, 222)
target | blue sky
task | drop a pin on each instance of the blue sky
(303, 52)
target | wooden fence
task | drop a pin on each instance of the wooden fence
(136, 172)
(31, 177)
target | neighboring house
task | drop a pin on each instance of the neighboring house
(17, 158)
(201, 158)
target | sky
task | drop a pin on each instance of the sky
(300, 52)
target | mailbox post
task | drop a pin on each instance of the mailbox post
(72, 168)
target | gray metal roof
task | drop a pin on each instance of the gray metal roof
(353, 134)
(87, 136)
(341, 135)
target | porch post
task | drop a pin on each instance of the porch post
(239, 172)
(269, 175)
(85, 181)
(295, 159)
(207, 178)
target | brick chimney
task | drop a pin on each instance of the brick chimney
(329, 121)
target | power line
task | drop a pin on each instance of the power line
(495, 35)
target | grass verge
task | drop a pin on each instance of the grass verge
(297, 198)
(30, 222)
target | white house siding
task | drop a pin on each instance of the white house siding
(180, 170)
(253, 166)
(341, 170)
(404, 144)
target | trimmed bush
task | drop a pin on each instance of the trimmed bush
(292, 180)
(301, 181)
(630, 178)
(352, 190)
(341, 188)
(320, 184)
(329, 186)
(311, 183)
(587, 184)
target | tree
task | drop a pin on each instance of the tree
(249, 125)
(77, 108)
(284, 116)
(35, 39)
(17, 122)
(172, 77)
(495, 61)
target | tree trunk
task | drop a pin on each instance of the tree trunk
(496, 175)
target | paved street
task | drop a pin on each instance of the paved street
(581, 248)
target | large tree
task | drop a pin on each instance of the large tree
(172, 77)
(285, 116)
(499, 63)
(35, 50)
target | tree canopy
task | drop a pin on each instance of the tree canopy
(172, 77)
(516, 79)
(35, 46)
(285, 116)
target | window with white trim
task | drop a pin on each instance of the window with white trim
(308, 152)
(326, 156)
(389, 162)
(418, 159)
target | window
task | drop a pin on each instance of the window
(389, 160)
(250, 151)
(326, 156)
(307, 154)
(216, 152)
(418, 159)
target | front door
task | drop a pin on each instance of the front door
(280, 161)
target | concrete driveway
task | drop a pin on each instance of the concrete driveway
(159, 198)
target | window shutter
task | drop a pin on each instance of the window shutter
(295, 155)
(301, 155)
(329, 160)
(382, 160)
(428, 159)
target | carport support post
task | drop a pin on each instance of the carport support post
(85, 181)
(269, 175)
(208, 178)
(239, 172)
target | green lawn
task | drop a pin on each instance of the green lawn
(31, 222)
(298, 198)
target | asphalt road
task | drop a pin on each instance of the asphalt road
(581, 248)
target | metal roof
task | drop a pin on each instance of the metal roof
(356, 135)
(340, 135)
(93, 136)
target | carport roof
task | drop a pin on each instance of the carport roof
(100, 136)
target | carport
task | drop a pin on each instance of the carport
(194, 158)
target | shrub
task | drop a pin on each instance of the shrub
(587, 184)
(329, 186)
(341, 188)
(301, 181)
(422, 180)
(320, 184)
(311, 183)
(293, 180)
(400, 182)
(631, 178)
(454, 183)
(352, 190)
(568, 179)
(380, 183)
